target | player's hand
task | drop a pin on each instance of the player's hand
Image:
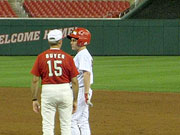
(74, 107)
(87, 99)
(36, 106)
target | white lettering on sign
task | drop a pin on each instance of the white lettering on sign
(7, 41)
(37, 35)
(20, 37)
(30, 36)
(65, 31)
(2, 39)
(14, 38)
(46, 34)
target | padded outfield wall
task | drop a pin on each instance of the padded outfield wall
(109, 37)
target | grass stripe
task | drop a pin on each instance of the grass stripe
(127, 73)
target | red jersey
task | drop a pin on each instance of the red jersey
(54, 67)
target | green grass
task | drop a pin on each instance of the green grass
(149, 73)
(15, 71)
(127, 73)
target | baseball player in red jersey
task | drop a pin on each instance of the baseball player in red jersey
(56, 70)
(81, 37)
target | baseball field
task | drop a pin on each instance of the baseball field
(133, 95)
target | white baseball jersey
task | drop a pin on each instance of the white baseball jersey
(84, 62)
(80, 119)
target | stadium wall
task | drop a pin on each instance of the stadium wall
(109, 37)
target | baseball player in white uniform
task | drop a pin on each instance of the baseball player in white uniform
(81, 37)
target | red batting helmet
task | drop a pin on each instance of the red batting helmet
(82, 35)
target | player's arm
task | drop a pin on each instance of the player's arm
(86, 76)
(35, 87)
(87, 85)
(35, 90)
(75, 87)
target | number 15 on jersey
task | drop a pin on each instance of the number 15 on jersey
(57, 68)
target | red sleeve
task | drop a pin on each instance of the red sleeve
(74, 72)
(35, 69)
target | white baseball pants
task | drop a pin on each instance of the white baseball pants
(80, 119)
(56, 97)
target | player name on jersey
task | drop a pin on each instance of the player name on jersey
(55, 55)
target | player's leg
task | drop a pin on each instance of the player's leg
(48, 109)
(75, 127)
(75, 130)
(84, 121)
(65, 112)
(48, 115)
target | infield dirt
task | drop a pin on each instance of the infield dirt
(114, 113)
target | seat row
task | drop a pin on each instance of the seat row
(75, 8)
(6, 10)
